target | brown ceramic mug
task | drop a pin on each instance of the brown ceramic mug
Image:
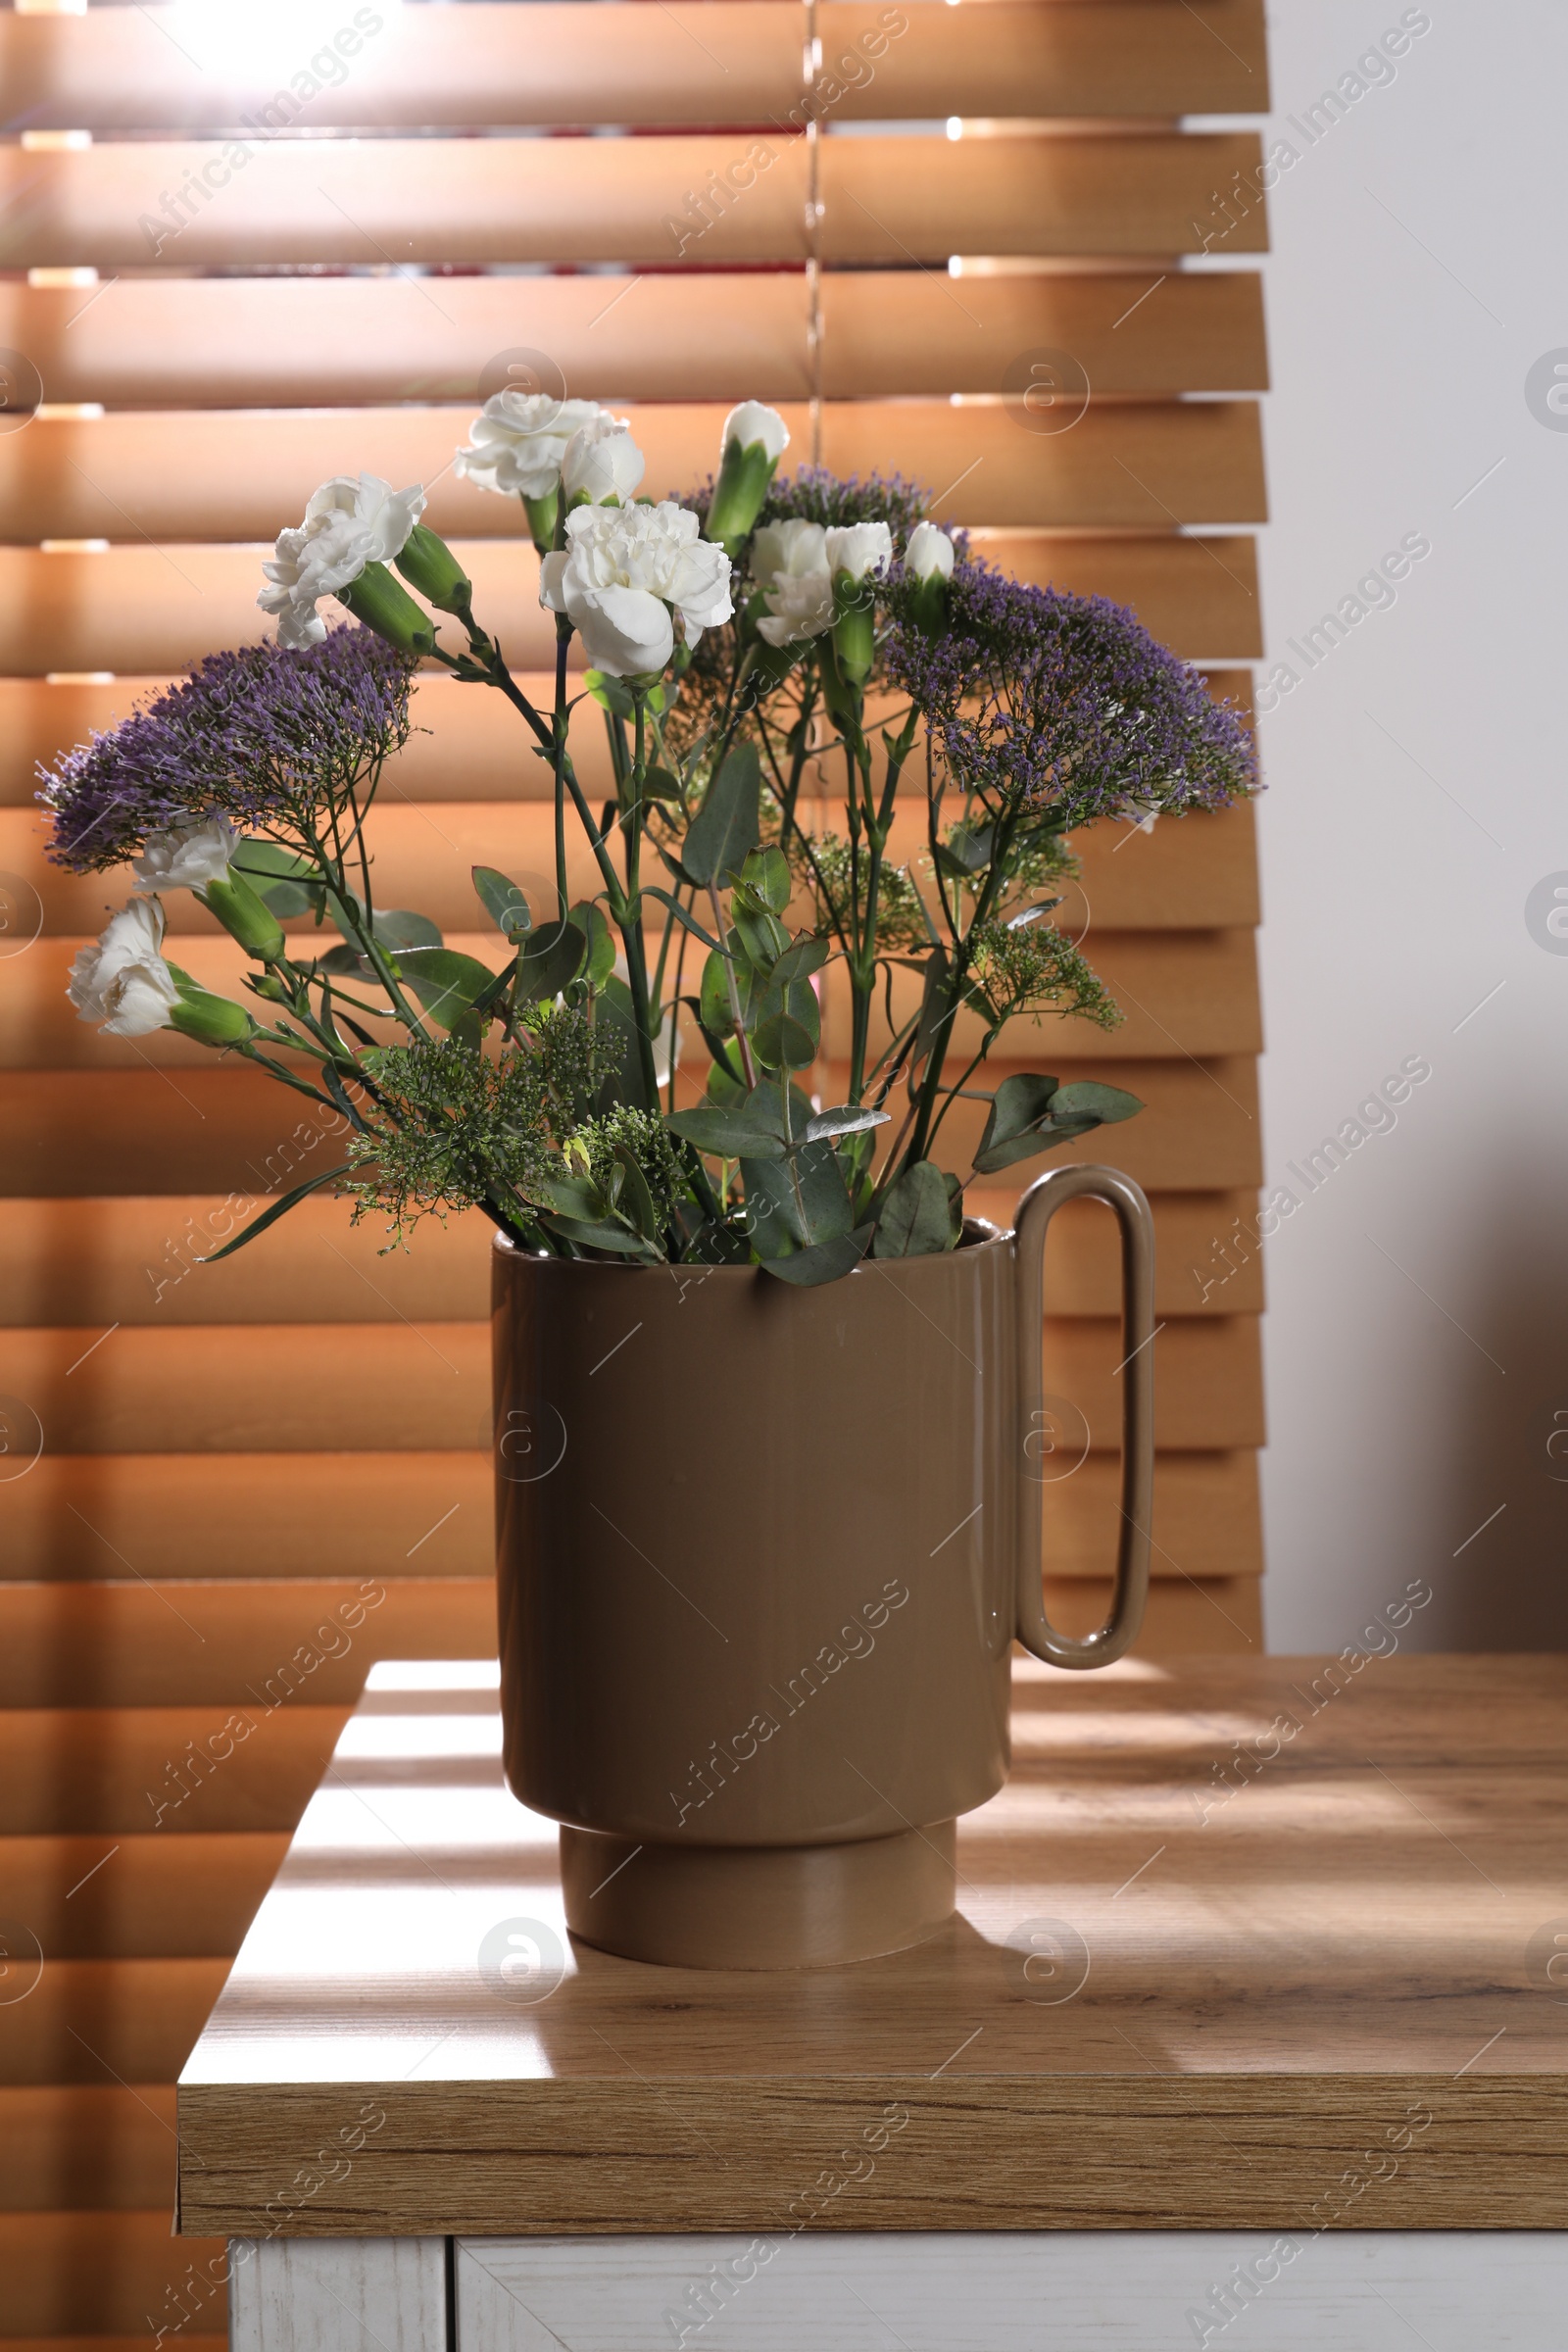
(762, 1555)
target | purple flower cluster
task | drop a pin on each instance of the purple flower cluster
(267, 738)
(1046, 702)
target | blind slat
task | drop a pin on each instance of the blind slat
(90, 1768)
(173, 476)
(427, 1383)
(1196, 876)
(74, 1133)
(111, 1645)
(466, 201)
(281, 342)
(358, 1526)
(94, 2277)
(316, 1272)
(464, 749)
(148, 611)
(174, 1897)
(1204, 984)
(726, 61)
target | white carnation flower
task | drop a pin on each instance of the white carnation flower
(789, 562)
(796, 546)
(189, 857)
(124, 982)
(602, 460)
(349, 523)
(519, 439)
(626, 575)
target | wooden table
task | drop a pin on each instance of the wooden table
(1253, 2025)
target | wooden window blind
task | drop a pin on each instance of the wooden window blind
(236, 256)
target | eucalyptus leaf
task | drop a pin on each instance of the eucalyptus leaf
(1019, 1102)
(342, 962)
(568, 1195)
(916, 1219)
(798, 963)
(503, 902)
(822, 1262)
(725, 829)
(593, 922)
(294, 898)
(793, 1206)
(767, 1105)
(851, 1119)
(270, 857)
(285, 881)
(445, 981)
(1086, 1097)
(730, 1134)
(617, 1237)
(714, 1010)
(550, 957)
(400, 927)
(766, 874)
(784, 1039)
(763, 936)
(991, 1158)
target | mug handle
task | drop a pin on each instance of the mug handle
(1135, 1370)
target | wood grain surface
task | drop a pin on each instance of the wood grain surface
(1241, 1944)
(529, 65)
(284, 342)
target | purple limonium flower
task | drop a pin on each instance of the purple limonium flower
(273, 740)
(1044, 701)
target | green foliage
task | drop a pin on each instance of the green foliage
(1029, 1115)
(712, 894)
(449, 1128)
(917, 1219)
(636, 1143)
(1032, 968)
(825, 864)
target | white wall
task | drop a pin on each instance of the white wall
(1417, 1337)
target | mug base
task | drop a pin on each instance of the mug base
(759, 1907)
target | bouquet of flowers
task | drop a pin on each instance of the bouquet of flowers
(740, 642)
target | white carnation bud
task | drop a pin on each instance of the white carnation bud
(929, 554)
(755, 426)
(858, 548)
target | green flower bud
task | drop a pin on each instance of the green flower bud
(386, 607)
(211, 1020)
(245, 917)
(427, 564)
(542, 513)
(928, 606)
(853, 628)
(755, 439)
